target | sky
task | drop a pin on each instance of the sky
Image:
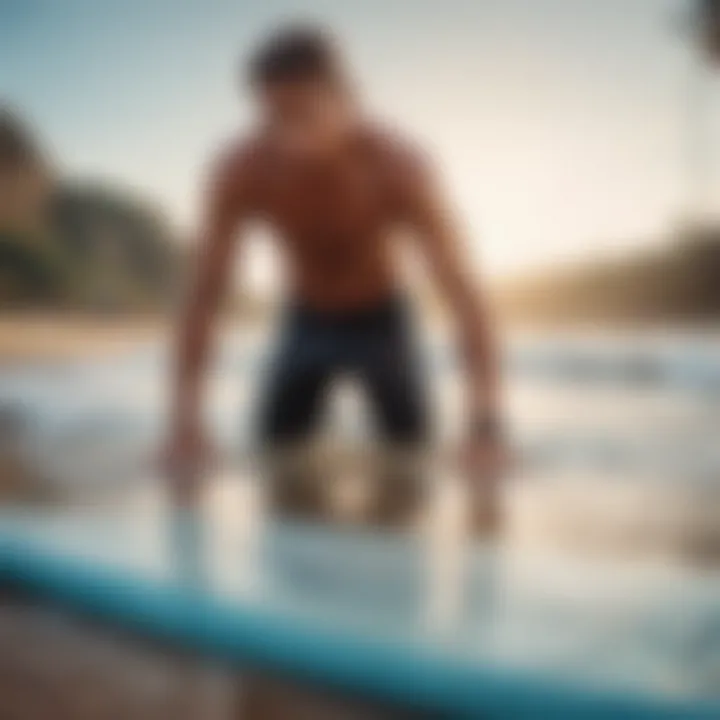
(561, 125)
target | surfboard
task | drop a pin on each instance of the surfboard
(398, 618)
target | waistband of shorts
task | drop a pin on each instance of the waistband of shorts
(390, 308)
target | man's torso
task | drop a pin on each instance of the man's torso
(335, 220)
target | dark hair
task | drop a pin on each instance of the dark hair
(297, 52)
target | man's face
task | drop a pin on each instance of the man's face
(308, 118)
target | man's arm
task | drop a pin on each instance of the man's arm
(442, 243)
(223, 211)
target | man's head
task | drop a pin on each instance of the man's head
(299, 80)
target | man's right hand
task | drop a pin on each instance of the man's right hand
(184, 459)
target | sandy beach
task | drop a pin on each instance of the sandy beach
(50, 338)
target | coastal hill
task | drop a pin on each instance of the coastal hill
(678, 282)
(68, 244)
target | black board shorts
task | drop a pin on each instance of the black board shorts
(377, 347)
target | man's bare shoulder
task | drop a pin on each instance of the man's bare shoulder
(404, 164)
(399, 153)
(240, 157)
(236, 170)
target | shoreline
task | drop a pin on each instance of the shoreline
(42, 338)
(47, 338)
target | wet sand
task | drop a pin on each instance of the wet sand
(56, 666)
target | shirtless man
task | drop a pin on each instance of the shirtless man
(336, 189)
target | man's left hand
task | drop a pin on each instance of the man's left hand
(484, 461)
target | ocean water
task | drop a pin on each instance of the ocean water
(627, 406)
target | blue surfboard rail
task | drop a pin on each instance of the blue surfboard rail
(400, 672)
